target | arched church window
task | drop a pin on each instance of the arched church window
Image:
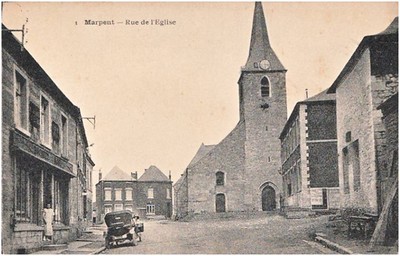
(265, 87)
(220, 178)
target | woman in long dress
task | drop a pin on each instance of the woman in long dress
(48, 222)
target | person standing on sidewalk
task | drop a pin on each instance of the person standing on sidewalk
(48, 223)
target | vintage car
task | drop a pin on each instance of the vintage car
(120, 228)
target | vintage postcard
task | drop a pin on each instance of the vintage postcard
(199, 127)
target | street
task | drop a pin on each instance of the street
(260, 234)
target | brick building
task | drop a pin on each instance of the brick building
(241, 172)
(149, 195)
(44, 158)
(369, 78)
(309, 155)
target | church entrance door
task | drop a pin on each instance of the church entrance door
(220, 203)
(268, 199)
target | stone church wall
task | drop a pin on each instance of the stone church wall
(227, 157)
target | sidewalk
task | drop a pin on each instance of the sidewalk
(91, 242)
(334, 236)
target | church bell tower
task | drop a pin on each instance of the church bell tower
(263, 109)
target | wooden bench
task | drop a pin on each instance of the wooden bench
(362, 224)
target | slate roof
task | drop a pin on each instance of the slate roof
(201, 152)
(392, 29)
(153, 174)
(117, 174)
(389, 35)
(260, 47)
(322, 96)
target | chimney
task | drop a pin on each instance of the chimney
(100, 175)
(169, 176)
(134, 175)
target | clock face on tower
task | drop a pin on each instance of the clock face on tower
(264, 64)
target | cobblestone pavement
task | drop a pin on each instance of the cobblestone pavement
(261, 234)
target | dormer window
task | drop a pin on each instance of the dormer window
(265, 87)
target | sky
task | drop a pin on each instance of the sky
(158, 92)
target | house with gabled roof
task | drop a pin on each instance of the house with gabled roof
(368, 79)
(149, 195)
(45, 155)
(309, 156)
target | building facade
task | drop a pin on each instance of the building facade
(150, 195)
(241, 172)
(309, 155)
(45, 160)
(368, 79)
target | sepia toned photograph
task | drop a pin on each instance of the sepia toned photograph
(199, 128)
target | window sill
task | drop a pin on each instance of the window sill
(23, 131)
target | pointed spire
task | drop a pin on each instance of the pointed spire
(260, 48)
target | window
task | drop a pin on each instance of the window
(21, 102)
(351, 167)
(128, 194)
(150, 209)
(265, 88)
(28, 190)
(150, 193)
(168, 193)
(61, 200)
(348, 136)
(34, 117)
(118, 194)
(85, 210)
(107, 209)
(55, 134)
(24, 186)
(346, 168)
(118, 207)
(129, 208)
(44, 121)
(289, 189)
(64, 136)
(107, 194)
(220, 178)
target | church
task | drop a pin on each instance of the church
(241, 173)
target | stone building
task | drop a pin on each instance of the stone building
(368, 79)
(150, 195)
(45, 158)
(241, 172)
(309, 155)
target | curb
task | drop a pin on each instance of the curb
(334, 246)
(98, 251)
